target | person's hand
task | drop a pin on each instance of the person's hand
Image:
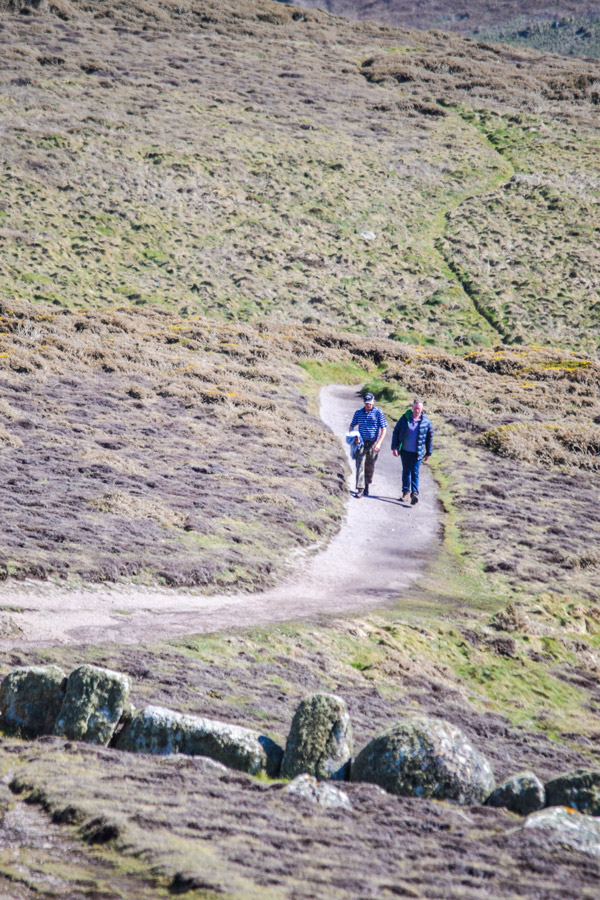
(376, 448)
(395, 452)
(426, 457)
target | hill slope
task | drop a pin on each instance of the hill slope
(173, 164)
(207, 210)
(571, 27)
(255, 164)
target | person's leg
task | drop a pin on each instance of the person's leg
(414, 497)
(360, 470)
(406, 472)
(370, 460)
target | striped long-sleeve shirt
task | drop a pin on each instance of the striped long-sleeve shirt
(369, 423)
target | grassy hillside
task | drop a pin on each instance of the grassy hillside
(571, 35)
(205, 210)
(570, 27)
(251, 164)
(177, 166)
(155, 448)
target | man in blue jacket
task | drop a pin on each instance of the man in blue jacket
(412, 440)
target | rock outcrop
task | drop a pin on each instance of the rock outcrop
(93, 705)
(31, 698)
(523, 793)
(320, 739)
(306, 787)
(579, 790)
(163, 731)
(567, 828)
(425, 757)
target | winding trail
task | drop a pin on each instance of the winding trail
(381, 548)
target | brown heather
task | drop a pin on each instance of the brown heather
(185, 193)
(571, 27)
(140, 445)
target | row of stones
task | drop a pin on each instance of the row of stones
(422, 757)
(418, 756)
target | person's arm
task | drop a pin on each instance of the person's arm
(380, 436)
(396, 438)
(380, 431)
(428, 443)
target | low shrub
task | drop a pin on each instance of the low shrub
(546, 444)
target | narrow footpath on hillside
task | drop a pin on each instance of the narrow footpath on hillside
(381, 549)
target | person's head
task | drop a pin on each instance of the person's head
(369, 401)
(417, 407)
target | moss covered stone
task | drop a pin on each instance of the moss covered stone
(163, 731)
(567, 828)
(523, 793)
(306, 787)
(320, 739)
(425, 757)
(579, 790)
(30, 699)
(94, 702)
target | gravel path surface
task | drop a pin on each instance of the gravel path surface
(381, 549)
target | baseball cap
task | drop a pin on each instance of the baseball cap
(369, 398)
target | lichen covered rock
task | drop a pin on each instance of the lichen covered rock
(579, 790)
(94, 702)
(31, 698)
(425, 757)
(567, 828)
(320, 739)
(523, 793)
(163, 731)
(306, 787)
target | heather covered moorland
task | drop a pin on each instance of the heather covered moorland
(570, 27)
(208, 210)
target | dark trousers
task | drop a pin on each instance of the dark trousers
(365, 465)
(410, 471)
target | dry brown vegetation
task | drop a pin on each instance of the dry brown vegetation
(270, 845)
(462, 17)
(143, 446)
(136, 172)
(562, 26)
(184, 197)
(188, 824)
(529, 507)
(184, 451)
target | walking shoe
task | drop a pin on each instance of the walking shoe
(405, 497)
(366, 491)
(414, 499)
(359, 494)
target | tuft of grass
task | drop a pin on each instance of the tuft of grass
(323, 372)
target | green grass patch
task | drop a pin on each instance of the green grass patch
(34, 278)
(319, 373)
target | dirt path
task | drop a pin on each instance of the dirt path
(380, 550)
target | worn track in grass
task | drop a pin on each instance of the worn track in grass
(380, 550)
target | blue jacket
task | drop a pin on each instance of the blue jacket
(424, 434)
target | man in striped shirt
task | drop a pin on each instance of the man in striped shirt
(372, 427)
